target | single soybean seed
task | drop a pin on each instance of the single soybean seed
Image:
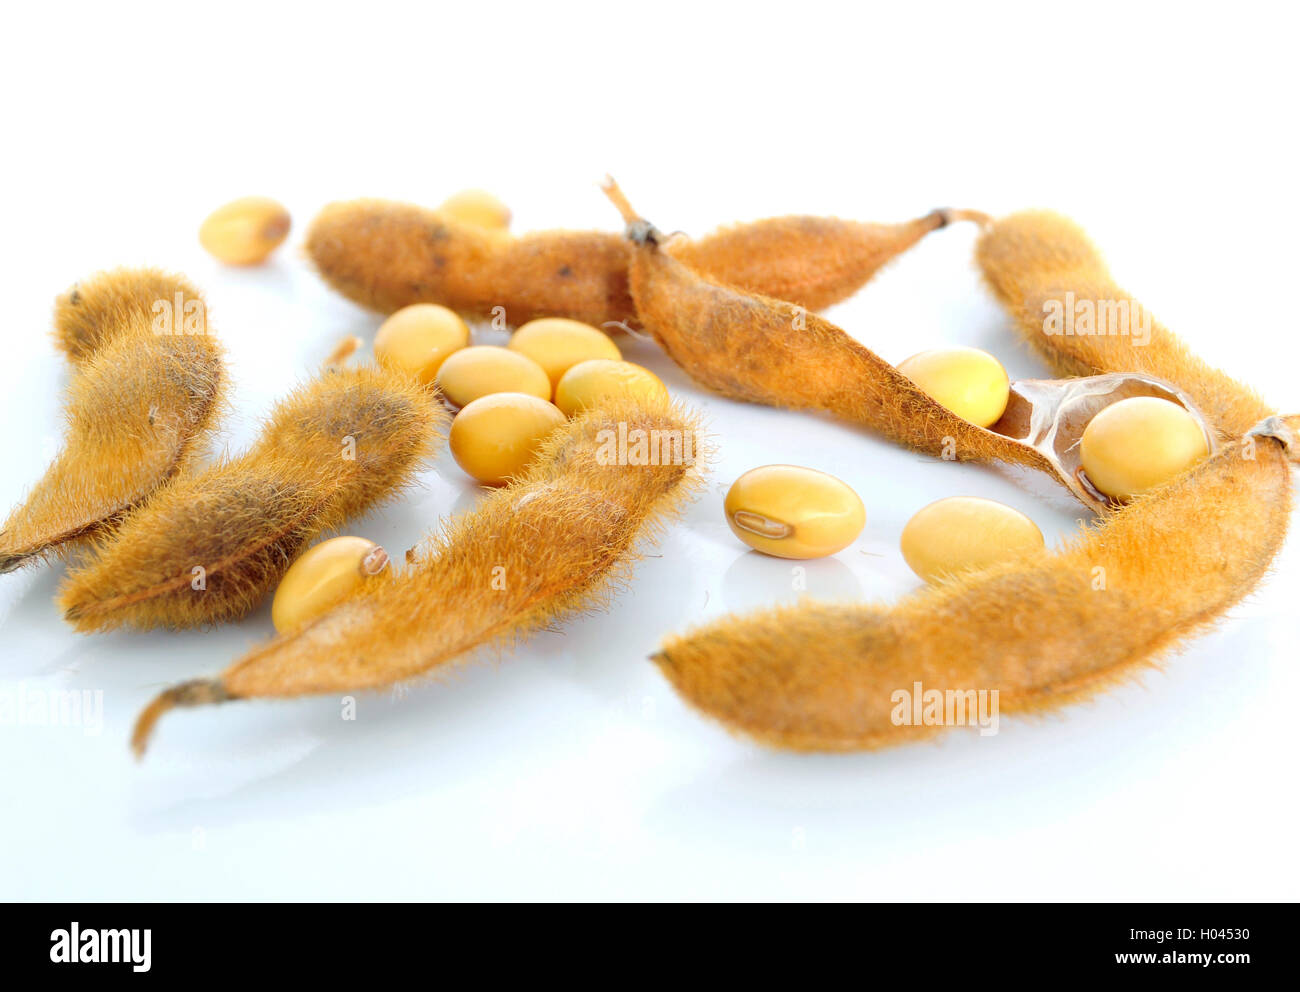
(969, 382)
(1139, 444)
(419, 338)
(477, 207)
(589, 382)
(481, 370)
(494, 438)
(322, 576)
(245, 231)
(794, 512)
(557, 344)
(961, 533)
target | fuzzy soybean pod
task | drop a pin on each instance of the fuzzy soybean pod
(550, 545)
(145, 392)
(813, 262)
(1053, 281)
(762, 350)
(1042, 630)
(210, 545)
(387, 255)
(107, 305)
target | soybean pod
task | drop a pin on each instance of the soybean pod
(386, 256)
(1040, 630)
(1065, 303)
(208, 547)
(552, 544)
(761, 350)
(145, 392)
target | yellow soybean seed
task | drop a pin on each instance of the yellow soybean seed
(794, 512)
(419, 338)
(471, 373)
(322, 576)
(1138, 444)
(969, 382)
(496, 437)
(965, 532)
(589, 382)
(245, 231)
(557, 344)
(477, 207)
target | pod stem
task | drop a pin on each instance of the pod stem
(951, 215)
(13, 562)
(344, 350)
(1284, 430)
(639, 230)
(619, 199)
(196, 692)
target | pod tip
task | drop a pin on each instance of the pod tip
(617, 197)
(1284, 430)
(11, 563)
(196, 692)
(639, 230)
(951, 215)
(344, 350)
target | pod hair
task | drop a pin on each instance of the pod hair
(1053, 281)
(552, 544)
(209, 546)
(91, 313)
(145, 393)
(1042, 631)
(387, 255)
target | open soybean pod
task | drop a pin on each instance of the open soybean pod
(1056, 286)
(762, 350)
(550, 545)
(832, 677)
(387, 255)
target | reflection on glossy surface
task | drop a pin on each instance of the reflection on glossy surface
(756, 580)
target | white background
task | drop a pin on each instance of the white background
(569, 769)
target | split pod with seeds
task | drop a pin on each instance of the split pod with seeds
(762, 350)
